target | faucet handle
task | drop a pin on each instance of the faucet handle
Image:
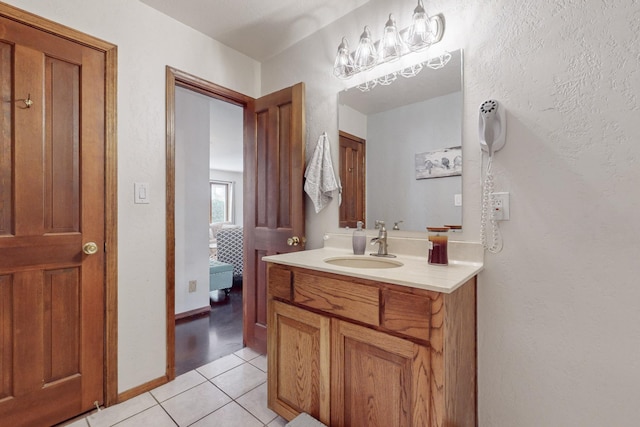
(379, 224)
(396, 226)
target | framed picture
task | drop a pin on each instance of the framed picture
(439, 163)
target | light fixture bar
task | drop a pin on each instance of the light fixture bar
(424, 32)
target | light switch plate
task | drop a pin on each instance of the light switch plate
(141, 192)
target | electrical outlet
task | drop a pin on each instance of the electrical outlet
(192, 285)
(500, 206)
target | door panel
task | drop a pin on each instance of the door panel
(6, 53)
(299, 345)
(61, 298)
(51, 203)
(377, 379)
(274, 199)
(62, 147)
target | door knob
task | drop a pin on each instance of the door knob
(295, 241)
(90, 248)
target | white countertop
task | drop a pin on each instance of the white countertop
(415, 272)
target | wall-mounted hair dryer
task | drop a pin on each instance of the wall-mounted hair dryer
(492, 126)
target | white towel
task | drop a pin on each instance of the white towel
(320, 177)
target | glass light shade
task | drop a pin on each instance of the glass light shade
(439, 61)
(387, 79)
(411, 71)
(365, 57)
(391, 44)
(368, 85)
(420, 35)
(343, 67)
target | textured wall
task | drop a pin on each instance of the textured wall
(558, 309)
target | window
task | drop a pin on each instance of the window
(221, 207)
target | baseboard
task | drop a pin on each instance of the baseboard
(142, 388)
(196, 312)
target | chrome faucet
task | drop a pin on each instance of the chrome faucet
(381, 240)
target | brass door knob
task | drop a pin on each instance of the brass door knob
(293, 241)
(296, 241)
(90, 248)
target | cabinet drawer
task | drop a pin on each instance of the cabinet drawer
(406, 313)
(279, 282)
(350, 300)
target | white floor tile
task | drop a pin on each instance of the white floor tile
(247, 354)
(196, 403)
(240, 380)
(255, 402)
(77, 423)
(180, 384)
(114, 414)
(260, 362)
(220, 366)
(278, 422)
(154, 416)
(231, 415)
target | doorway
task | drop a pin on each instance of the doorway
(208, 222)
(180, 256)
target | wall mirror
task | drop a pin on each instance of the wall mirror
(400, 150)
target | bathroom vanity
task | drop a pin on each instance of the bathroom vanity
(354, 344)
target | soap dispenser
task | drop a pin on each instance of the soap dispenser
(359, 240)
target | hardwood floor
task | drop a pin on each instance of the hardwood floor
(203, 339)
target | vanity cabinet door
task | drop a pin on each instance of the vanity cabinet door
(377, 379)
(299, 362)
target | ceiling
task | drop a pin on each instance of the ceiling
(260, 29)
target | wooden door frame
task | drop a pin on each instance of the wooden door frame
(111, 179)
(175, 77)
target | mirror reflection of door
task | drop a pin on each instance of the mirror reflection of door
(352, 176)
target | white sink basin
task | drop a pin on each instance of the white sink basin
(363, 262)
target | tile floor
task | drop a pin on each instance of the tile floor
(228, 392)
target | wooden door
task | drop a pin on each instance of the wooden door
(299, 357)
(377, 380)
(352, 176)
(52, 136)
(274, 200)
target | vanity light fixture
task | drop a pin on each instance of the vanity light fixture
(423, 32)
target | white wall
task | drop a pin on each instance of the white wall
(191, 200)
(395, 137)
(558, 311)
(147, 42)
(352, 121)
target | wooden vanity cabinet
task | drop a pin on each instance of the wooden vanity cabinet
(354, 352)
